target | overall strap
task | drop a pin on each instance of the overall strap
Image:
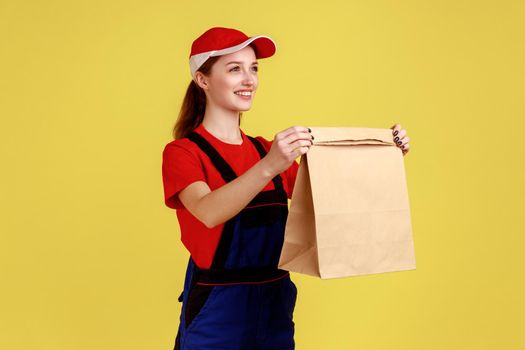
(222, 166)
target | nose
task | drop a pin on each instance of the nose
(248, 79)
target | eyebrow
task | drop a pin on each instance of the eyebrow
(239, 62)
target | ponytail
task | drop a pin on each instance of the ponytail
(191, 112)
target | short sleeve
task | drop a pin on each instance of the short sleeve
(180, 168)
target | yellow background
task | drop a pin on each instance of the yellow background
(90, 258)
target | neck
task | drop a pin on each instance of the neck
(222, 124)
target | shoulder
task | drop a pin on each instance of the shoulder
(183, 145)
(181, 151)
(179, 143)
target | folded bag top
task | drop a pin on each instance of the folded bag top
(352, 136)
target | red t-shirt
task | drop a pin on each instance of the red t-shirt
(183, 163)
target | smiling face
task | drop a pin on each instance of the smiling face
(232, 81)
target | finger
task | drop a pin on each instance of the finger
(297, 136)
(399, 136)
(399, 141)
(296, 152)
(405, 147)
(285, 133)
(301, 143)
(300, 151)
(397, 128)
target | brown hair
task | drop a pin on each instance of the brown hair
(194, 105)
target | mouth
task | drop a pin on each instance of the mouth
(245, 94)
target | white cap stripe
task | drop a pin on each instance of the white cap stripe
(198, 60)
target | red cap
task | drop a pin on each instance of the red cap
(220, 41)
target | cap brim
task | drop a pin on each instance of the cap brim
(264, 47)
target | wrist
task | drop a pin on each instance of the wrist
(267, 170)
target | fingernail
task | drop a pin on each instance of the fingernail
(309, 130)
(397, 138)
(395, 132)
(398, 142)
(312, 137)
(311, 142)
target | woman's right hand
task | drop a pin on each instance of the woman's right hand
(287, 145)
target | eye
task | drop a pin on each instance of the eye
(255, 68)
(234, 68)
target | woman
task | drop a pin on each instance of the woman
(231, 194)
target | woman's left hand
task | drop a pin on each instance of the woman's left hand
(400, 138)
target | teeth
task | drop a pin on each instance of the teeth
(244, 93)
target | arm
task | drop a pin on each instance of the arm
(215, 207)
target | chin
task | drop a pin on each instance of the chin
(244, 108)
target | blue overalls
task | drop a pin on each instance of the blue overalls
(243, 302)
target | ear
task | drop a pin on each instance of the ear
(201, 80)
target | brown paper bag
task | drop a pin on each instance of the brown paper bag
(349, 213)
